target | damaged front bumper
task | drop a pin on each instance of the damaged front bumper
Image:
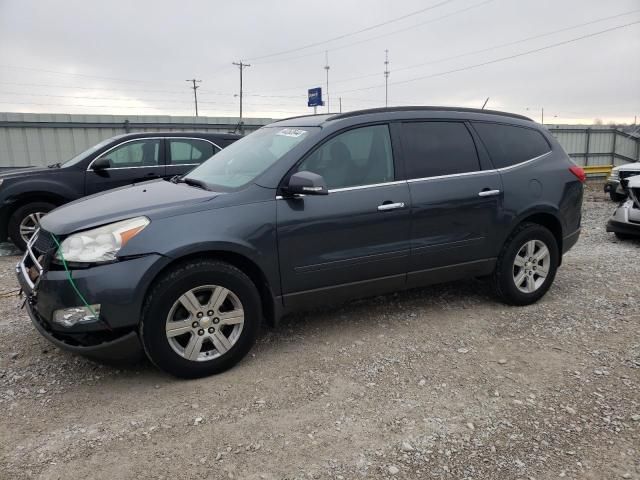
(625, 219)
(112, 336)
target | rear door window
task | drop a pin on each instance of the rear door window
(434, 149)
(136, 153)
(509, 145)
(190, 151)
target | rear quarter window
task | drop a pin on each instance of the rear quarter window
(509, 144)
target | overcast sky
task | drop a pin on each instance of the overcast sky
(133, 57)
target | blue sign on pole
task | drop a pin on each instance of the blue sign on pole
(315, 97)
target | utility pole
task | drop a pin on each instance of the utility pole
(386, 78)
(195, 94)
(326, 67)
(241, 66)
(340, 102)
(542, 116)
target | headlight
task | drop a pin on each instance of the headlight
(614, 175)
(101, 244)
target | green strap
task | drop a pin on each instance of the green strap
(71, 281)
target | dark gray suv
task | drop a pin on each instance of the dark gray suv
(306, 211)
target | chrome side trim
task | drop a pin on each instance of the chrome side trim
(511, 167)
(437, 177)
(150, 138)
(453, 175)
(361, 187)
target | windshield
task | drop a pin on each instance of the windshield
(244, 160)
(87, 152)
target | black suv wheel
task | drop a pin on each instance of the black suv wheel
(24, 222)
(526, 265)
(200, 318)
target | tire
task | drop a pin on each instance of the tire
(29, 213)
(617, 197)
(165, 306)
(507, 273)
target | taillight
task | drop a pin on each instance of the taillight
(578, 172)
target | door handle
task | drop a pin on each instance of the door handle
(488, 193)
(390, 206)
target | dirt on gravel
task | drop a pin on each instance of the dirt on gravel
(442, 382)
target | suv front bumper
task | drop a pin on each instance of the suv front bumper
(117, 287)
(625, 219)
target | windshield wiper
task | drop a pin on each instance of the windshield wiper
(191, 181)
(54, 165)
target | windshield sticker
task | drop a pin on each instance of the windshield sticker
(291, 132)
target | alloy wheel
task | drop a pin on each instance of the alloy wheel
(204, 323)
(29, 225)
(531, 266)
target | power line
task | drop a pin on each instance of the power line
(487, 49)
(195, 93)
(509, 57)
(350, 34)
(129, 107)
(394, 32)
(100, 77)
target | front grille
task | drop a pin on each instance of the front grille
(34, 260)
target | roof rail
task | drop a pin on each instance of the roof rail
(355, 113)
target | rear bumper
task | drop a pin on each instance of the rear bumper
(569, 241)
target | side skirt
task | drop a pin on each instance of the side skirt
(335, 294)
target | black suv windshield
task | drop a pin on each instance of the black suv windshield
(244, 160)
(81, 156)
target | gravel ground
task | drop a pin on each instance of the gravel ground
(442, 382)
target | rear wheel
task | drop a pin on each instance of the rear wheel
(616, 197)
(24, 222)
(526, 265)
(201, 318)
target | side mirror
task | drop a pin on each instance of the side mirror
(307, 183)
(101, 164)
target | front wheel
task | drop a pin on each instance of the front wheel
(25, 221)
(200, 318)
(526, 265)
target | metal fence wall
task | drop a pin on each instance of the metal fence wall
(34, 139)
(597, 145)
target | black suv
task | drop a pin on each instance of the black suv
(306, 211)
(27, 194)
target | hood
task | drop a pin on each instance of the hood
(156, 198)
(24, 172)
(627, 167)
